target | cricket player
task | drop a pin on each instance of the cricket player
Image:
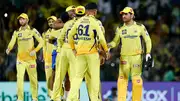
(131, 50)
(71, 12)
(87, 57)
(102, 59)
(48, 48)
(57, 25)
(26, 56)
(66, 60)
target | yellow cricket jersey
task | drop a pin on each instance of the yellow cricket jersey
(102, 27)
(25, 42)
(63, 39)
(130, 39)
(87, 29)
(48, 36)
(58, 33)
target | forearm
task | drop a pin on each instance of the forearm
(148, 46)
(40, 45)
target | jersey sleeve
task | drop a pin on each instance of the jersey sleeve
(58, 37)
(13, 41)
(146, 38)
(116, 39)
(71, 34)
(102, 27)
(62, 37)
(101, 37)
(44, 42)
(38, 37)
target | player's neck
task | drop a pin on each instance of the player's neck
(90, 14)
(131, 22)
(24, 27)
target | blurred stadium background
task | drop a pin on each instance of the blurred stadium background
(161, 18)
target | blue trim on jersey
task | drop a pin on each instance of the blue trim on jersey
(54, 54)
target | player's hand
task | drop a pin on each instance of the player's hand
(7, 51)
(74, 51)
(33, 53)
(148, 56)
(102, 60)
(109, 45)
(108, 55)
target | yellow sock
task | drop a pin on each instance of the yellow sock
(137, 88)
(122, 88)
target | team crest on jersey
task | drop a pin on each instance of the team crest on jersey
(136, 65)
(135, 31)
(47, 36)
(124, 31)
(20, 35)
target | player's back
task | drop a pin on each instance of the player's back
(87, 27)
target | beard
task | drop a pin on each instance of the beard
(23, 23)
(51, 25)
(126, 20)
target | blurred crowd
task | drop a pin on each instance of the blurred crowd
(161, 18)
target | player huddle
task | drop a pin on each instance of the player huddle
(74, 47)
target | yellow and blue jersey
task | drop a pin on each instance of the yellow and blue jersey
(87, 29)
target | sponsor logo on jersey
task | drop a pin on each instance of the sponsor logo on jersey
(136, 65)
(20, 35)
(124, 31)
(131, 36)
(135, 31)
(25, 39)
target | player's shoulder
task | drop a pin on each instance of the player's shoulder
(35, 31)
(68, 22)
(16, 30)
(139, 24)
(83, 20)
(94, 19)
(99, 22)
(121, 26)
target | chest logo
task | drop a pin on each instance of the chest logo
(124, 31)
(135, 31)
(20, 35)
(47, 36)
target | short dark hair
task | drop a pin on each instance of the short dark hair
(91, 5)
(65, 17)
